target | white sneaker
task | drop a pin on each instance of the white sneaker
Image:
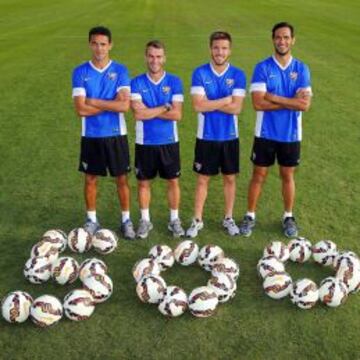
(176, 228)
(195, 227)
(231, 227)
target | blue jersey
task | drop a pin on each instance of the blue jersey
(104, 84)
(217, 125)
(156, 131)
(269, 76)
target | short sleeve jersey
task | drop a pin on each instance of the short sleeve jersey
(167, 89)
(217, 125)
(104, 84)
(282, 125)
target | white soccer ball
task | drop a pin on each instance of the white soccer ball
(16, 306)
(304, 293)
(203, 301)
(174, 302)
(99, 286)
(351, 277)
(227, 266)
(91, 267)
(37, 270)
(104, 241)
(79, 240)
(45, 248)
(145, 267)
(151, 289)
(57, 237)
(269, 264)
(78, 305)
(186, 252)
(278, 249)
(163, 255)
(346, 259)
(333, 291)
(300, 250)
(224, 286)
(324, 252)
(209, 255)
(46, 310)
(277, 285)
(65, 270)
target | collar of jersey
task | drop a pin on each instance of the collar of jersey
(156, 82)
(280, 66)
(216, 73)
(100, 70)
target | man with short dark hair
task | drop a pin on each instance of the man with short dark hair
(217, 90)
(101, 93)
(281, 91)
(156, 101)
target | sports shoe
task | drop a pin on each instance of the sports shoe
(290, 227)
(195, 227)
(127, 229)
(246, 226)
(91, 227)
(176, 228)
(231, 227)
(144, 229)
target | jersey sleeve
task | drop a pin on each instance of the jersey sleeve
(178, 93)
(197, 86)
(239, 85)
(135, 91)
(123, 80)
(305, 80)
(78, 84)
(258, 81)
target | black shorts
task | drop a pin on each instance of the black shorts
(99, 155)
(213, 156)
(151, 160)
(264, 152)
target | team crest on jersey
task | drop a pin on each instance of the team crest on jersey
(112, 76)
(293, 75)
(229, 82)
(166, 89)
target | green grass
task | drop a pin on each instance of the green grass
(40, 188)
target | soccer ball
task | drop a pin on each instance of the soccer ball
(145, 267)
(78, 305)
(37, 270)
(277, 285)
(223, 285)
(350, 275)
(304, 293)
(57, 237)
(346, 259)
(151, 289)
(79, 240)
(174, 302)
(203, 301)
(278, 249)
(209, 255)
(46, 310)
(16, 306)
(45, 248)
(104, 241)
(186, 252)
(300, 250)
(333, 291)
(163, 255)
(65, 270)
(227, 266)
(324, 252)
(269, 264)
(91, 267)
(99, 286)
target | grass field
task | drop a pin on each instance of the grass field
(40, 187)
